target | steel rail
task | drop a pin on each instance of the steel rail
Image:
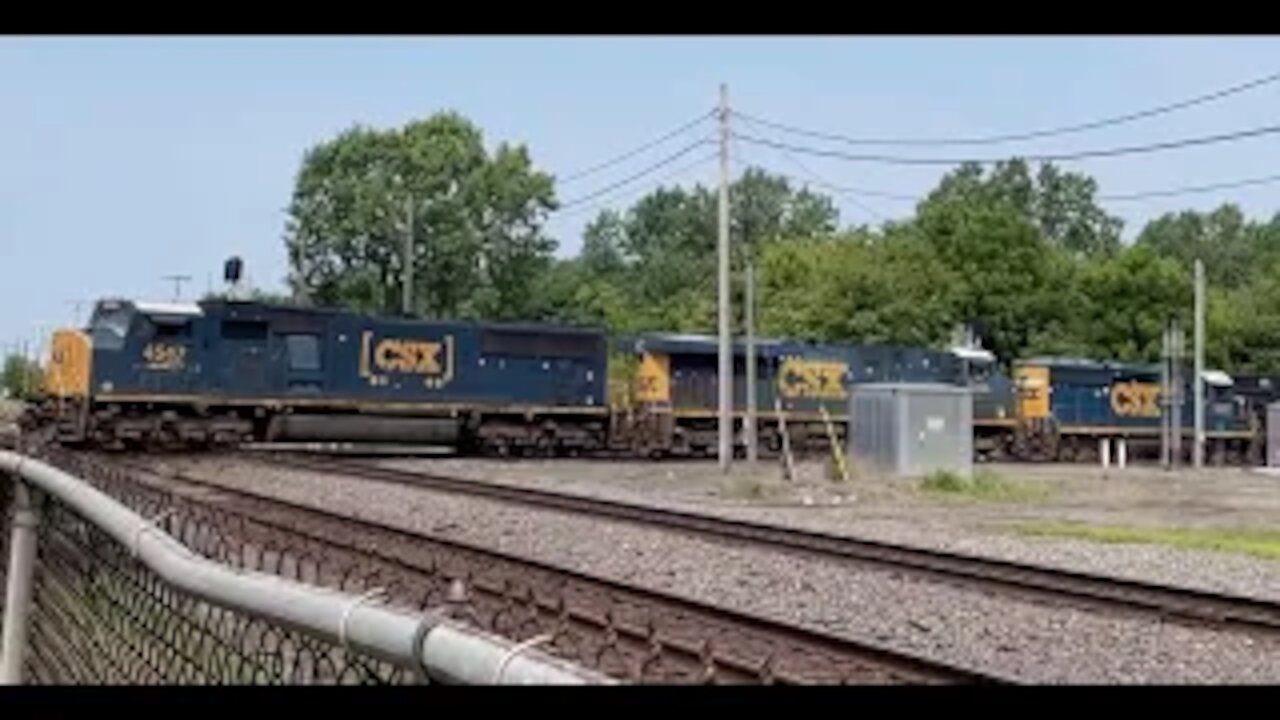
(826, 654)
(1048, 583)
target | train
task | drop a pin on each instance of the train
(226, 371)
(1044, 409)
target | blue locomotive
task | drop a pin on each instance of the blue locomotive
(228, 371)
(803, 387)
(1061, 408)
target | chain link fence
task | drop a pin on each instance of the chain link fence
(100, 614)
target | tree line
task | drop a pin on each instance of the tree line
(1026, 255)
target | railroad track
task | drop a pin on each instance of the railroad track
(627, 630)
(1054, 585)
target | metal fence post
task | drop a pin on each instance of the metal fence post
(17, 601)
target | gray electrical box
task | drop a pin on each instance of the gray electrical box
(911, 429)
(1273, 434)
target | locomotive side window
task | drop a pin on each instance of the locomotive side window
(244, 330)
(304, 351)
(539, 344)
(173, 330)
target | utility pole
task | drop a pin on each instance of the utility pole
(725, 375)
(177, 284)
(750, 300)
(407, 304)
(1179, 344)
(1166, 393)
(1197, 447)
(26, 371)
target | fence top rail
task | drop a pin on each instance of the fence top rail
(442, 649)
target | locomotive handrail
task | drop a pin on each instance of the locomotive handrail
(438, 648)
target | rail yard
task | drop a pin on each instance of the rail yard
(1010, 425)
(613, 541)
(782, 606)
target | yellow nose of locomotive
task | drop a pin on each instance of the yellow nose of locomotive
(70, 358)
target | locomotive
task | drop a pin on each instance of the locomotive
(803, 387)
(227, 371)
(1059, 409)
(223, 372)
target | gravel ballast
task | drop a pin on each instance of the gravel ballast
(890, 511)
(997, 634)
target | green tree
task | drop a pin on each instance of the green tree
(21, 377)
(1067, 212)
(476, 220)
(858, 287)
(1006, 274)
(1124, 302)
(1223, 239)
(1061, 205)
(1242, 324)
(653, 267)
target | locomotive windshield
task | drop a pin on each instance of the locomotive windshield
(110, 324)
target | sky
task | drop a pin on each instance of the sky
(123, 160)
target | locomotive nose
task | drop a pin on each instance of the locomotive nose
(70, 359)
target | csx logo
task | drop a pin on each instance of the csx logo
(403, 356)
(408, 356)
(823, 379)
(1135, 399)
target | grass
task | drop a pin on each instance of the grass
(746, 488)
(10, 410)
(1240, 541)
(984, 485)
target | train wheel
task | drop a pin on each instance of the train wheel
(1070, 451)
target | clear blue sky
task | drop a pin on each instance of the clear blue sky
(126, 159)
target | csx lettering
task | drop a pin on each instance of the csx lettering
(812, 379)
(1135, 399)
(408, 356)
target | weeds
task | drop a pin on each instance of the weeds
(1240, 541)
(983, 485)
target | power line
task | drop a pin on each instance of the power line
(1191, 189)
(848, 193)
(636, 151)
(1171, 192)
(1013, 137)
(636, 176)
(673, 174)
(1047, 157)
(815, 179)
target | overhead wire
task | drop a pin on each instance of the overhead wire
(637, 150)
(633, 177)
(1123, 197)
(848, 193)
(678, 172)
(571, 207)
(1041, 157)
(1015, 137)
(1191, 189)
